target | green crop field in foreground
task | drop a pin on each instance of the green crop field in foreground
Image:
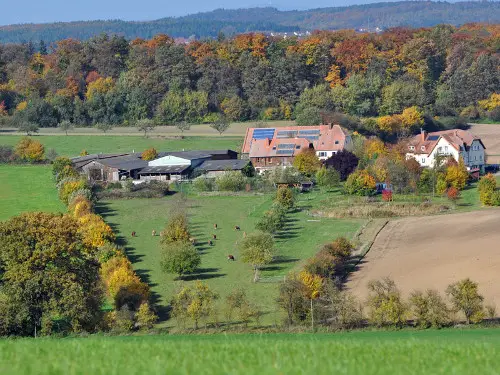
(405, 352)
(27, 188)
(72, 145)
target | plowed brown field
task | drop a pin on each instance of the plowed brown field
(435, 251)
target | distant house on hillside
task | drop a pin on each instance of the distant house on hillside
(272, 147)
(168, 166)
(457, 143)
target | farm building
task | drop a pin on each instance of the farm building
(214, 168)
(456, 143)
(273, 147)
(168, 166)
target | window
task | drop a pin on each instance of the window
(322, 154)
(422, 148)
(412, 148)
(297, 147)
(445, 148)
(423, 160)
(439, 150)
(270, 160)
(481, 157)
(336, 142)
(274, 147)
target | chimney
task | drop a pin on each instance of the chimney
(422, 134)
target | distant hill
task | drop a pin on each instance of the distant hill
(209, 24)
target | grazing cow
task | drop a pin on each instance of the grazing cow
(133, 234)
(236, 227)
(153, 233)
(230, 257)
(210, 243)
(214, 236)
(215, 226)
(192, 240)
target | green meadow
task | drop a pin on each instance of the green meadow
(451, 351)
(72, 145)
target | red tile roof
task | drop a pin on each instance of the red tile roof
(456, 138)
(330, 138)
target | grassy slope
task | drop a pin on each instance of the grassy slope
(300, 241)
(72, 145)
(402, 352)
(27, 188)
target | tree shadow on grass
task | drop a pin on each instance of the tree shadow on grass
(203, 274)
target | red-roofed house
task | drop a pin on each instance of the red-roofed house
(455, 142)
(273, 147)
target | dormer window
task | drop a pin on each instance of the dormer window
(274, 147)
(412, 148)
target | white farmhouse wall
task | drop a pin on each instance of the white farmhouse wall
(443, 147)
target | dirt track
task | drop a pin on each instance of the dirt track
(433, 252)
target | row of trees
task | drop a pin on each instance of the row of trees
(401, 73)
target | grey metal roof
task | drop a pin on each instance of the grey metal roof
(190, 155)
(164, 169)
(218, 152)
(222, 165)
(127, 162)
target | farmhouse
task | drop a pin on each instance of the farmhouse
(270, 147)
(168, 166)
(457, 143)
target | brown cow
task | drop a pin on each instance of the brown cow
(236, 227)
(210, 243)
(230, 257)
(133, 234)
(215, 226)
(214, 236)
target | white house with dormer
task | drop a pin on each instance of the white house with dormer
(456, 143)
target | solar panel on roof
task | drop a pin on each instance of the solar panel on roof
(263, 133)
(286, 145)
(286, 134)
(311, 132)
(284, 152)
(433, 138)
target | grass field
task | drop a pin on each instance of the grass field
(72, 145)
(301, 239)
(402, 352)
(27, 188)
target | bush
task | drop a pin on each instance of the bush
(30, 150)
(429, 309)
(203, 184)
(385, 304)
(487, 186)
(94, 230)
(360, 183)
(465, 297)
(68, 186)
(151, 189)
(273, 220)
(453, 193)
(180, 258)
(145, 317)
(231, 181)
(322, 264)
(494, 114)
(7, 154)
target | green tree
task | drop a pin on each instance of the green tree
(28, 127)
(385, 303)
(195, 302)
(273, 220)
(307, 162)
(66, 126)
(360, 182)
(145, 125)
(327, 178)
(309, 116)
(176, 229)
(487, 187)
(429, 309)
(145, 317)
(104, 126)
(180, 258)
(285, 197)
(221, 124)
(465, 297)
(257, 250)
(53, 275)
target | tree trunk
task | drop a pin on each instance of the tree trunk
(255, 274)
(312, 315)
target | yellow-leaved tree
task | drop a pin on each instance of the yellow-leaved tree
(30, 150)
(100, 85)
(307, 162)
(457, 175)
(491, 103)
(312, 289)
(95, 232)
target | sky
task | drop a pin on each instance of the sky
(42, 11)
